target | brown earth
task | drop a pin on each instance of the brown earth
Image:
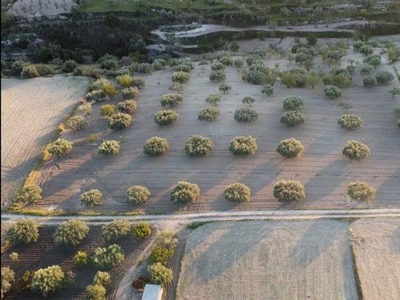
(45, 252)
(30, 112)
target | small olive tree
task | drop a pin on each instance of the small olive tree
(384, 77)
(350, 121)
(361, 191)
(198, 145)
(24, 231)
(290, 148)
(128, 106)
(95, 292)
(171, 100)
(116, 230)
(137, 194)
(81, 258)
(332, 92)
(166, 117)
(356, 150)
(213, 99)
(119, 121)
(248, 100)
(245, 115)
(76, 123)
(243, 145)
(109, 147)
(268, 90)
(160, 274)
(293, 103)
(59, 147)
(217, 76)
(141, 230)
(369, 81)
(91, 197)
(209, 114)
(224, 88)
(130, 93)
(107, 110)
(394, 92)
(181, 77)
(289, 190)
(30, 193)
(108, 257)
(237, 192)
(292, 118)
(7, 279)
(47, 280)
(156, 146)
(184, 192)
(102, 278)
(71, 232)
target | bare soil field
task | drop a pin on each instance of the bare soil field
(268, 260)
(45, 252)
(322, 168)
(30, 112)
(376, 247)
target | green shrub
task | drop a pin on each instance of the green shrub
(107, 110)
(110, 147)
(14, 256)
(243, 145)
(183, 68)
(95, 292)
(268, 90)
(238, 63)
(224, 88)
(91, 197)
(245, 115)
(17, 67)
(116, 230)
(125, 81)
(209, 114)
(181, 77)
(160, 255)
(138, 82)
(69, 66)
(76, 123)
(213, 99)
(165, 117)
(45, 281)
(102, 278)
(141, 230)
(358, 44)
(7, 279)
(184, 192)
(394, 92)
(217, 76)
(156, 146)
(356, 150)
(366, 70)
(108, 62)
(332, 92)
(24, 231)
(289, 190)
(108, 257)
(237, 192)
(366, 50)
(160, 274)
(225, 60)
(29, 71)
(217, 67)
(166, 239)
(145, 68)
(171, 100)
(369, 81)
(177, 87)
(127, 106)
(198, 145)
(248, 100)
(119, 121)
(375, 62)
(350, 121)
(71, 232)
(95, 96)
(130, 93)
(104, 85)
(290, 148)
(361, 191)
(59, 147)
(81, 258)
(292, 118)
(293, 103)
(384, 77)
(30, 193)
(138, 194)
(44, 70)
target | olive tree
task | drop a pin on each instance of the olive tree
(115, 230)
(47, 280)
(119, 121)
(107, 110)
(109, 147)
(159, 274)
(394, 92)
(293, 103)
(237, 192)
(292, 118)
(7, 279)
(198, 145)
(217, 67)
(128, 106)
(71, 232)
(76, 123)
(181, 77)
(24, 231)
(102, 278)
(289, 190)
(156, 146)
(356, 150)
(217, 76)
(290, 148)
(91, 197)
(80, 258)
(30, 193)
(361, 191)
(130, 93)
(141, 230)
(248, 100)
(165, 117)
(108, 257)
(59, 147)
(213, 99)
(209, 114)
(384, 77)
(332, 92)
(171, 100)
(243, 145)
(350, 121)
(137, 194)
(95, 292)
(245, 115)
(267, 90)
(369, 81)
(224, 88)
(366, 70)
(184, 192)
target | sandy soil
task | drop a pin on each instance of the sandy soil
(268, 260)
(376, 246)
(38, 8)
(30, 112)
(322, 168)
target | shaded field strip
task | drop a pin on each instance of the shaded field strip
(175, 265)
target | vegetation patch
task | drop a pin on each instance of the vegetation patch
(243, 145)
(289, 190)
(290, 148)
(198, 145)
(184, 192)
(237, 192)
(356, 150)
(165, 117)
(156, 146)
(361, 191)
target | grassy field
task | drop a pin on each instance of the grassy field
(268, 260)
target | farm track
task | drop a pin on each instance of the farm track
(175, 265)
